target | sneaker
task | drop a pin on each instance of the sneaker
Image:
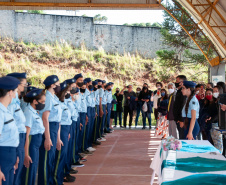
(82, 160)
(91, 149)
(129, 127)
(69, 178)
(101, 139)
(114, 126)
(97, 143)
(77, 164)
(72, 171)
(87, 152)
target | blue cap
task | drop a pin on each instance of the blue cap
(98, 80)
(51, 80)
(111, 83)
(70, 81)
(63, 85)
(34, 93)
(103, 81)
(189, 84)
(108, 84)
(9, 83)
(88, 80)
(30, 88)
(94, 83)
(76, 77)
(18, 75)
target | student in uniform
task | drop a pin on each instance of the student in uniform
(102, 118)
(65, 126)
(109, 106)
(20, 120)
(23, 104)
(35, 129)
(51, 116)
(74, 116)
(190, 111)
(9, 135)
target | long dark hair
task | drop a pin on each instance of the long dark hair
(187, 105)
(3, 92)
(61, 94)
(221, 91)
(222, 84)
(206, 102)
(166, 95)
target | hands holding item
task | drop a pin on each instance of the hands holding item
(208, 119)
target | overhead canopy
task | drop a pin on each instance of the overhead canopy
(211, 17)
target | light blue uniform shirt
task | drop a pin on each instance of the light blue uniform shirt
(193, 105)
(52, 104)
(109, 96)
(102, 95)
(88, 99)
(18, 115)
(23, 104)
(93, 104)
(71, 106)
(33, 120)
(9, 135)
(78, 103)
(97, 97)
(66, 114)
(83, 102)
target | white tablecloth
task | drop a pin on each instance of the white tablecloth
(171, 174)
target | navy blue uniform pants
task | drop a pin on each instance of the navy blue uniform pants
(88, 127)
(195, 129)
(29, 174)
(77, 141)
(93, 113)
(20, 154)
(102, 121)
(96, 132)
(47, 158)
(8, 157)
(146, 115)
(109, 107)
(82, 132)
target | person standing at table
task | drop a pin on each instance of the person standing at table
(35, 130)
(9, 135)
(15, 109)
(51, 116)
(190, 111)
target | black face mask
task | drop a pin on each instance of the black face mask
(90, 87)
(40, 106)
(95, 89)
(177, 85)
(57, 89)
(80, 84)
(117, 91)
(82, 90)
(67, 96)
(99, 86)
(145, 88)
(109, 90)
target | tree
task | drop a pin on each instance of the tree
(84, 15)
(156, 24)
(148, 24)
(35, 11)
(99, 19)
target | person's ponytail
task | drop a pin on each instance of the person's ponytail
(187, 106)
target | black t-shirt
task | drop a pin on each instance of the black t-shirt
(126, 95)
(119, 102)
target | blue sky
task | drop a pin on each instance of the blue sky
(118, 16)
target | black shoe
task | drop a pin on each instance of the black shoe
(114, 126)
(72, 171)
(149, 127)
(77, 164)
(144, 128)
(121, 126)
(69, 178)
(97, 143)
(103, 136)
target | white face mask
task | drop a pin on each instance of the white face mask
(171, 91)
(197, 92)
(215, 95)
(138, 92)
(76, 96)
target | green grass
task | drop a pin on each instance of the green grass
(65, 60)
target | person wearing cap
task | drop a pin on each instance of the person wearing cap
(9, 135)
(20, 120)
(23, 104)
(108, 93)
(103, 109)
(35, 129)
(65, 126)
(96, 132)
(74, 116)
(190, 111)
(79, 80)
(89, 126)
(51, 116)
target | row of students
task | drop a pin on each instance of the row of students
(51, 129)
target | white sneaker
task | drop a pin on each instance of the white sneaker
(91, 149)
(101, 139)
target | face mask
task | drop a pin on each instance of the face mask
(76, 96)
(209, 97)
(197, 92)
(158, 87)
(163, 94)
(177, 85)
(94, 88)
(138, 92)
(57, 89)
(67, 96)
(215, 95)
(99, 86)
(117, 92)
(171, 91)
(80, 84)
(90, 87)
(73, 90)
(109, 90)
(40, 106)
(145, 88)
(82, 90)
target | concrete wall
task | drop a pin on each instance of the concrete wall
(39, 28)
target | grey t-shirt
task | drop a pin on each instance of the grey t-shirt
(126, 95)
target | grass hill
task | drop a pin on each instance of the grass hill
(65, 60)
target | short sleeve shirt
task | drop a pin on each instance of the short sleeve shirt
(66, 114)
(193, 105)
